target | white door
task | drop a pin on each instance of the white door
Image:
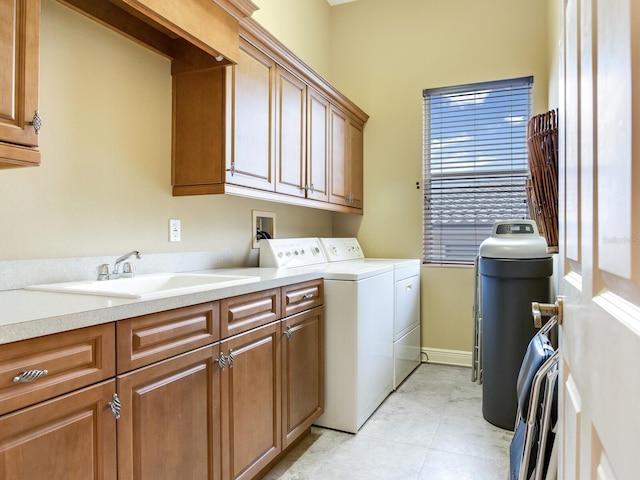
(600, 240)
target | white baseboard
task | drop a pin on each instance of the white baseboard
(446, 357)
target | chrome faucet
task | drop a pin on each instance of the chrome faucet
(128, 268)
(116, 265)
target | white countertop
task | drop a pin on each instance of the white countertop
(27, 314)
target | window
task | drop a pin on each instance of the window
(475, 165)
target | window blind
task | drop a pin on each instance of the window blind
(474, 163)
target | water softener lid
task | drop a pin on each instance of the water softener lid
(514, 239)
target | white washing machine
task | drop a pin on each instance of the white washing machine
(406, 294)
(359, 308)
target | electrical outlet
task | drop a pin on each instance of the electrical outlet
(174, 230)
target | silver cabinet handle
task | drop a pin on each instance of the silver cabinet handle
(232, 170)
(221, 361)
(36, 122)
(230, 358)
(29, 376)
(288, 333)
(115, 406)
(307, 296)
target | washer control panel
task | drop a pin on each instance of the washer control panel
(339, 249)
(291, 252)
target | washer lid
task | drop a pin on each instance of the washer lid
(514, 239)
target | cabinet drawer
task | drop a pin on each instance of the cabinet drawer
(151, 338)
(302, 296)
(71, 359)
(242, 313)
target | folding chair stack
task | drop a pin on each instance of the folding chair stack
(536, 420)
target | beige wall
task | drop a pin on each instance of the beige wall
(104, 186)
(383, 54)
(308, 35)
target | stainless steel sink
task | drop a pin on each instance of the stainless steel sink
(149, 286)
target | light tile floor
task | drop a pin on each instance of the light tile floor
(431, 428)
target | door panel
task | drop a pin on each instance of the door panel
(600, 239)
(170, 421)
(302, 372)
(250, 396)
(317, 145)
(252, 121)
(291, 97)
(68, 437)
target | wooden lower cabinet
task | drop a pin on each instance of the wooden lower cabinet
(69, 437)
(170, 421)
(226, 410)
(251, 407)
(302, 372)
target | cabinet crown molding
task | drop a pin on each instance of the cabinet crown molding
(261, 38)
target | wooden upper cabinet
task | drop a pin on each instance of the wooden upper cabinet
(19, 62)
(291, 98)
(250, 159)
(198, 132)
(346, 166)
(268, 128)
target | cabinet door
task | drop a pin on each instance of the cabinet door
(317, 145)
(19, 46)
(338, 192)
(302, 372)
(291, 98)
(346, 160)
(73, 436)
(251, 409)
(170, 419)
(250, 145)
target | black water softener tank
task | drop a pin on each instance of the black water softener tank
(515, 269)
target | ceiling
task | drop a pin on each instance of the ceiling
(338, 2)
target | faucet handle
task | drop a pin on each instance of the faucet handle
(129, 268)
(103, 271)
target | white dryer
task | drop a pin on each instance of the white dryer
(359, 308)
(406, 298)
